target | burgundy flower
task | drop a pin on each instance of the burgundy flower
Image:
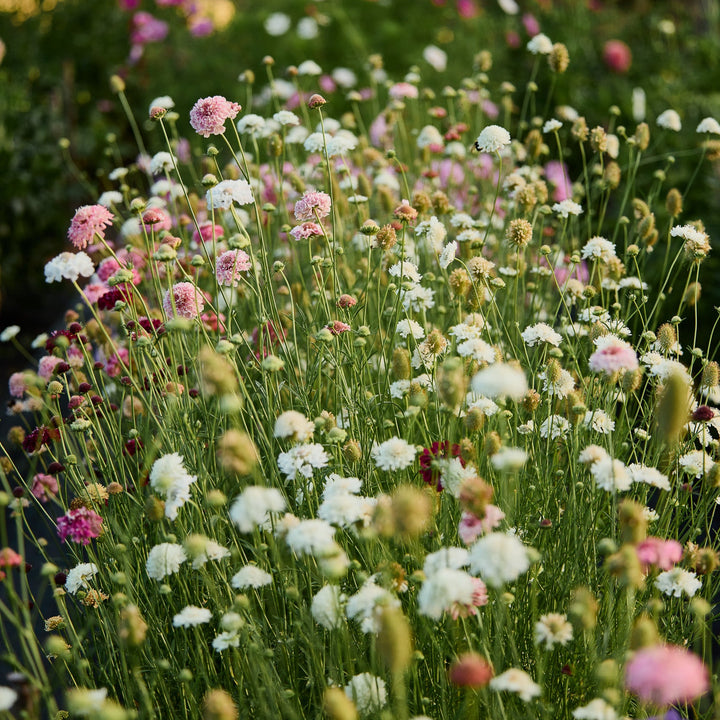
(438, 450)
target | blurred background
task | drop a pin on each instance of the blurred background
(63, 129)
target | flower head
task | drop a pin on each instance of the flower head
(89, 221)
(80, 525)
(313, 204)
(229, 266)
(209, 114)
(186, 301)
(493, 138)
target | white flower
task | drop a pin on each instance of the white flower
(597, 709)
(326, 607)
(492, 138)
(254, 505)
(453, 474)
(309, 67)
(554, 426)
(367, 692)
(500, 380)
(562, 387)
(478, 350)
(709, 125)
(417, 298)
(510, 7)
(567, 207)
(509, 458)
(9, 333)
(670, 120)
(226, 640)
(448, 255)
(162, 162)
(84, 702)
(191, 616)
(69, 266)
(435, 57)
(78, 577)
(164, 559)
(599, 248)
(213, 551)
(302, 459)
(294, 425)
(462, 220)
(163, 101)
(428, 136)
(277, 24)
(361, 606)
(285, 117)
(552, 125)
(405, 269)
(250, 576)
(311, 537)
(610, 475)
(394, 454)
(341, 144)
(649, 476)
(170, 479)
(251, 124)
(697, 463)
(335, 484)
(447, 557)
(344, 77)
(540, 333)
(442, 590)
(499, 558)
(599, 421)
(408, 327)
(553, 629)
(8, 697)
(540, 44)
(517, 681)
(677, 581)
(225, 193)
(485, 405)
(344, 509)
(110, 198)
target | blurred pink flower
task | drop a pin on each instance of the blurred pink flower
(666, 675)
(617, 56)
(532, 26)
(147, 29)
(44, 487)
(229, 266)
(557, 175)
(664, 554)
(188, 300)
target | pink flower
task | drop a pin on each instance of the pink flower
(117, 362)
(94, 291)
(314, 204)
(346, 301)
(336, 327)
(664, 554)
(557, 175)
(467, 9)
(9, 558)
(17, 385)
(471, 527)
(88, 221)
(666, 675)
(189, 301)
(44, 487)
(209, 114)
(47, 365)
(306, 230)
(156, 219)
(201, 27)
(532, 26)
(403, 90)
(612, 356)
(147, 29)
(479, 598)
(80, 525)
(617, 56)
(229, 266)
(206, 231)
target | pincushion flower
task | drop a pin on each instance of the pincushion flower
(493, 138)
(169, 478)
(209, 114)
(666, 675)
(192, 616)
(540, 333)
(312, 205)
(69, 266)
(186, 301)
(327, 607)
(81, 525)
(709, 125)
(250, 576)
(393, 454)
(678, 582)
(229, 266)
(553, 629)
(253, 507)
(540, 44)
(79, 576)
(670, 120)
(499, 558)
(294, 425)
(517, 681)
(612, 355)
(367, 692)
(302, 459)
(164, 559)
(500, 380)
(89, 221)
(228, 192)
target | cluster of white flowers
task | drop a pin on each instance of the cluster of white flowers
(302, 459)
(327, 607)
(69, 266)
(253, 506)
(342, 506)
(368, 692)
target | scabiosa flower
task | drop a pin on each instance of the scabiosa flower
(696, 462)
(228, 192)
(81, 525)
(444, 589)
(327, 605)
(393, 454)
(69, 266)
(302, 459)
(409, 327)
(169, 478)
(663, 554)
(472, 527)
(312, 205)
(447, 256)
(500, 380)
(499, 558)
(597, 709)
(493, 138)
(553, 629)
(250, 576)
(429, 456)
(306, 230)
(367, 692)
(517, 681)
(8, 698)
(554, 426)
(666, 675)
(89, 221)
(677, 582)
(229, 265)
(610, 475)
(186, 301)
(192, 616)
(612, 355)
(253, 507)
(79, 576)
(670, 120)
(362, 606)
(209, 114)
(599, 421)
(44, 487)
(470, 670)
(540, 44)
(540, 333)
(164, 559)
(708, 125)
(294, 425)
(311, 537)
(599, 248)
(565, 208)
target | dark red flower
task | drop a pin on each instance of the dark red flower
(437, 451)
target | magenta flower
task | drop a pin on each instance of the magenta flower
(188, 300)
(209, 114)
(229, 266)
(44, 487)
(314, 204)
(147, 29)
(81, 525)
(88, 221)
(666, 675)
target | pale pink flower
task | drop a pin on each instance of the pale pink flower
(47, 365)
(306, 230)
(44, 487)
(206, 231)
(17, 385)
(229, 266)
(336, 327)
(209, 114)
(312, 205)
(189, 301)
(479, 598)
(88, 221)
(664, 554)
(472, 527)
(156, 219)
(666, 675)
(403, 90)
(613, 355)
